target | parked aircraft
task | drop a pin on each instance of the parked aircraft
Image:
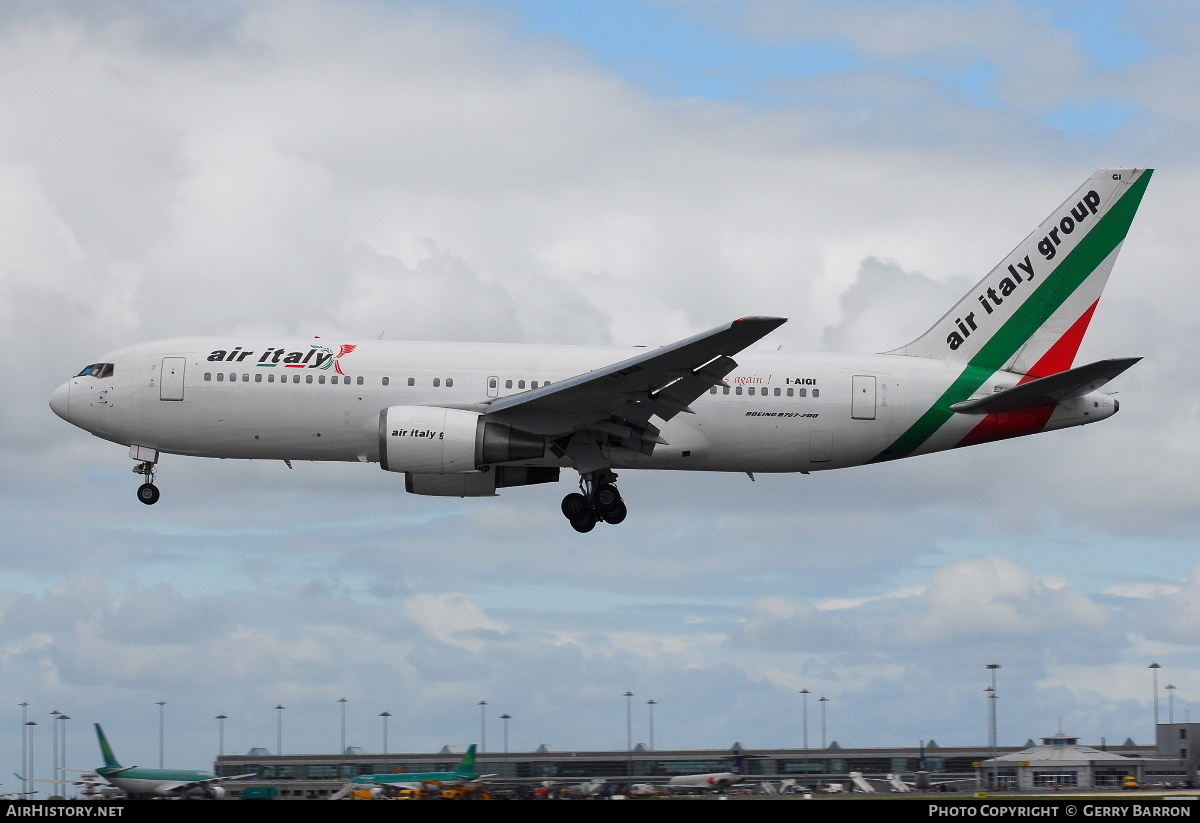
(467, 419)
(713, 782)
(138, 782)
(465, 773)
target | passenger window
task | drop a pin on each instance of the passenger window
(533, 385)
(437, 382)
(777, 392)
(245, 378)
(713, 390)
(491, 382)
(724, 390)
(804, 392)
(388, 380)
(220, 377)
(360, 381)
(207, 376)
(295, 378)
(751, 391)
(411, 381)
(308, 378)
(271, 377)
(738, 390)
(508, 384)
(816, 392)
(790, 392)
(520, 384)
(258, 377)
(449, 382)
(320, 379)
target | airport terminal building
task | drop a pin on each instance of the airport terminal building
(1172, 760)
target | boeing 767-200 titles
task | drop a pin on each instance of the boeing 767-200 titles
(467, 419)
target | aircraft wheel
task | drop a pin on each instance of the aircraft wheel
(606, 498)
(617, 515)
(148, 493)
(583, 524)
(574, 505)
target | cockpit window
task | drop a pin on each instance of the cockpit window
(97, 370)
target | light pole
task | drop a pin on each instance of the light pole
(823, 701)
(1154, 667)
(804, 694)
(991, 698)
(54, 749)
(385, 715)
(221, 718)
(628, 733)
(650, 704)
(993, 727)
(483, 725)
(342, 704)
(160, 705)
(24, 746)
(29, 772)
(1170, 703)
(628, 721)
(506, 718)
(62, 752)
(279, 729)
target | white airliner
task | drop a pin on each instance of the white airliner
(468, 419)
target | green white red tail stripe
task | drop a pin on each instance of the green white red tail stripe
(1028, 316)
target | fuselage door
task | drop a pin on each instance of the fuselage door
(493, 386)
(170, 379)
(862, 401)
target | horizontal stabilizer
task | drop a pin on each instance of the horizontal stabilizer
(1046, 391)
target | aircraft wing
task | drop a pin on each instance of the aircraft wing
(1046, 391)
(660, 382)
(196, 784)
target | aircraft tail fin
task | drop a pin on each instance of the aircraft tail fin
(110, 759)
(467, 767)
(1029, 314)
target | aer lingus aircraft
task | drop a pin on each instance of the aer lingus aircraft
(178, 783)
(465, 773)
(467, 419)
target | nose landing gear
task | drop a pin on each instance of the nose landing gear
(147, 492)
(597, 500)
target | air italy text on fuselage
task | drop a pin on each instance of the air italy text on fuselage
(314, 358)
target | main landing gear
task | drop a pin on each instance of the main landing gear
(598, 501)
(147, 492)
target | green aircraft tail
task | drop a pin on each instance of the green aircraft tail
(467, 767)
(110, 759)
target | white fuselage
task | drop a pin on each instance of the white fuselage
(777, 412)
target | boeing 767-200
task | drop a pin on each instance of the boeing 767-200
(467, 419)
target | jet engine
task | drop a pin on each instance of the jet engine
(206, 793)
(433, 440)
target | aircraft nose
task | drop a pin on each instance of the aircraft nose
(60, 401)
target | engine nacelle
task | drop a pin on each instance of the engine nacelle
(433, 440)
(206, 792)
(479, 484)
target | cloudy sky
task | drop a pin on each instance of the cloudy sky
(626, 172)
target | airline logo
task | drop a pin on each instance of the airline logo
(1013, 277)
(316, 357)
